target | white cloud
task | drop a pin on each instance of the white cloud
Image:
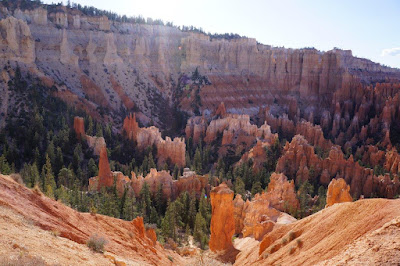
(391, 51)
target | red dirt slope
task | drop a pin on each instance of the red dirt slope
(125, 239)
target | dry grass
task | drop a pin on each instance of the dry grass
(292, 250)
(292, 235)
(299, 243)
(22, 260)
(97, 243)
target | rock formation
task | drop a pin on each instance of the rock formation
(338, 191)
(281, 193)
(300, 162)
(196, 128)
(222, 220)
(173, 150)
(96, 143)
(154, 179)
(257, 217)
(235, 130)
(79, 127)
(17, 41)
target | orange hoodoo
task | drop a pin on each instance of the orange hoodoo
(79, 127)
(222, 220)
(105, 175)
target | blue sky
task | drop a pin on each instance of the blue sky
(371, 29)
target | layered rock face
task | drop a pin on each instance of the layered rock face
(173, 150)
(338, 191)
(222, 219)
(114, 64)
(17, 41)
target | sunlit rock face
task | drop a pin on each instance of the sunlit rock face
(137, 67)
(338, 191)
(222, 220)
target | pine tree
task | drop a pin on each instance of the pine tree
(59, 160)
(167, 223)
(200, 229)
(154, 219)
(176, 172)
(205, 208)
(171, 221)
(99, 130)
(66, 177)
(129, 209)
(5, 168)
(145, 166)
(76, 160)
(305, 191)
(51, 152)
(48, 179)
(90, 126)
(151, 162)
(30, 174)
(145, 202)
(92, 168)
(192, 211)
(239, 187)
(62, 195)
(197, 163)
(256, 188)
(159, 200)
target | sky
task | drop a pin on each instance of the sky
(371, 29)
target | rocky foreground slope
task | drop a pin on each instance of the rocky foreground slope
(31, 211)
(36, 228)
(364, 232)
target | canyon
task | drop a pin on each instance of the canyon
(281, 156)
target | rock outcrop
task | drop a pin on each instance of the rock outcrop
(235, 130)
(281, 193)
(338, 191)
(96, 143)
(79, 127)
(167, 150)
(257, 217)
(222, 220)
(17, 42)
(300, 162)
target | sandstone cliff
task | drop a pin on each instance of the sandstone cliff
(130, 65)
